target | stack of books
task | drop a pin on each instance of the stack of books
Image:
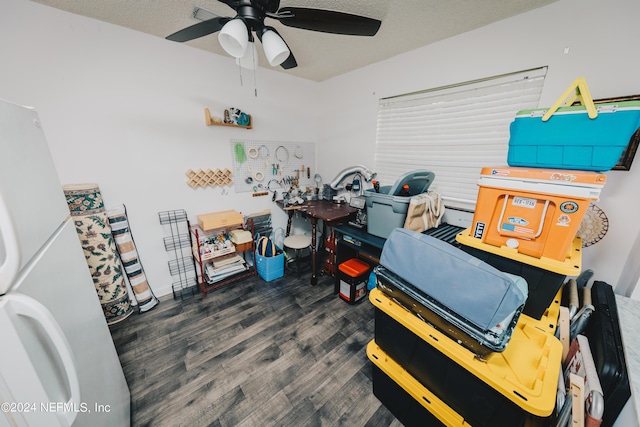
(224, 267)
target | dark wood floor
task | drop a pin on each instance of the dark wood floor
(281, 353)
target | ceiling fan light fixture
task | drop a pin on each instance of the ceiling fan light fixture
(275, 48)
(234, 37)
(236, 33)
(250, 58)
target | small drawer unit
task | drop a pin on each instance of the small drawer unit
(353, 275)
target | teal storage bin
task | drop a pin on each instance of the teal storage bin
(270, 268)
(387, 209)
(570, 139)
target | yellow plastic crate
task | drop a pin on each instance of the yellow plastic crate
(549, 319)
(413, 388)
(570, 266)
(544, 276)
(526, 372)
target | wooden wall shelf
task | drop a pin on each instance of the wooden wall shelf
(209, 122)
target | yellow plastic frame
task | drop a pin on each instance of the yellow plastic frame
(577, 90)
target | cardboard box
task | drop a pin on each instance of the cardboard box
(222, 219)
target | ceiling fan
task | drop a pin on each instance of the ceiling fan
(236, 34)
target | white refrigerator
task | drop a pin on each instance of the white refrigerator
(58, 363)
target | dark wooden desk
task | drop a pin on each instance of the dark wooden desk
(329, 213)
(352, 242)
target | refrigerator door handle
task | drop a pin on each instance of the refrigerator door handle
(29, 307)
(11, 265)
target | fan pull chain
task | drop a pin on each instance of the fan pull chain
(255, 68)
(255, 85)
(240, 74)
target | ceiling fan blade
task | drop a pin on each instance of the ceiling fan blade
(200, 29)
(328, 21)
(271, 6)
(290, 62)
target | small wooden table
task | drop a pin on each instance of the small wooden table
(330, 213)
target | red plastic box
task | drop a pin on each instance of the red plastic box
(353, 276)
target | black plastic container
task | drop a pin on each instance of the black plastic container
(605, 341)
(543, 284)
(400, 403)
(466, 394)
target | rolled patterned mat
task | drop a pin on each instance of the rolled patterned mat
(88, 213)
(130, 260)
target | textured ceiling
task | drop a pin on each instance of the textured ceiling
(406, 25)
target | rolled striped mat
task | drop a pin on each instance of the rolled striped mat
(121, 232)
(88, 213)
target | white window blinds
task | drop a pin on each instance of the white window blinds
(453, 131)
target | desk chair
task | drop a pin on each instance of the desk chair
(297, 243)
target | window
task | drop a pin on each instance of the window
(453, 131)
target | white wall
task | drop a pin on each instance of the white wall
(601, 37)
(126, 111)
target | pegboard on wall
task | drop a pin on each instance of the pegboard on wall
(266, 165)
